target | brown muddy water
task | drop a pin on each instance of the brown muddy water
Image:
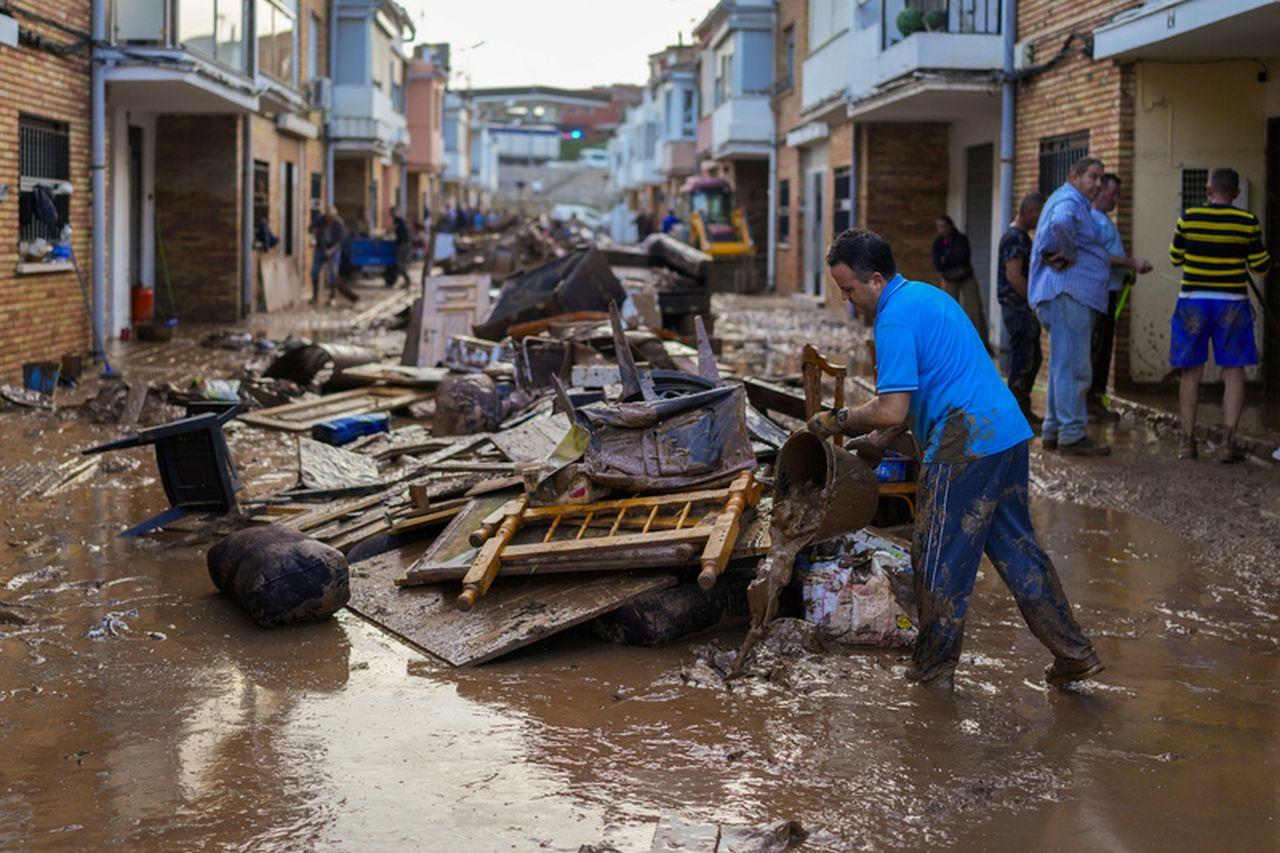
(138, 707)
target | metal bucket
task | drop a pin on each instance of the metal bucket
(850, 491)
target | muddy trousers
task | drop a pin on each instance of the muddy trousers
(1024, 355)
(966, 509)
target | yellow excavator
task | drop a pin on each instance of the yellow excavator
(716, 224)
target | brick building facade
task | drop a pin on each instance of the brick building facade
(42, 313)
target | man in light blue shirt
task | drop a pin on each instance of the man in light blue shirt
(1070, 270)
(1122, 266)
(932, 369)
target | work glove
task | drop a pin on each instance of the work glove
(867, 448)
(824, 424)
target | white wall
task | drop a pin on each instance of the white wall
(119, 201)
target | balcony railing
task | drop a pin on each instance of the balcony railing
(902, 19)
(216, 29)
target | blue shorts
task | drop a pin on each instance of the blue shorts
(1229, 323)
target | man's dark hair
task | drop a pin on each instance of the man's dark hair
(1225, 181)
(1030, 202)
(1082, 165)
(864, 252)
(1112, 178)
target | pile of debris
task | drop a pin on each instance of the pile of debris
(564, 451)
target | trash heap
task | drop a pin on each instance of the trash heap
(558, 451)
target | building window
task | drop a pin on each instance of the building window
(277, 39)
(44, 157)
(724, 75)
(1195, 187)
(215, 28)
(316, 194)
(689, 114)
(261, 201)
(827, 19)
(787, 75)
(313, 46)
(784, 211)
(1057, 153)
(842, 206)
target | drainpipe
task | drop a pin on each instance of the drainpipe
(772, 256)
(98, 167)
(1009, 27)
(328, 134)
(246, 222)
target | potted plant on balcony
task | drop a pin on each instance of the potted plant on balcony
(935, 20)
(910, 21)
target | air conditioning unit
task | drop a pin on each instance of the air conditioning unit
(320, 93)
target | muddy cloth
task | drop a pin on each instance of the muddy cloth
(280, 576)
(964, 510)
(695, 441)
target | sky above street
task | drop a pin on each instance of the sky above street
(568, 43)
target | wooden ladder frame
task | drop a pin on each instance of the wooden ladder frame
(649, 539)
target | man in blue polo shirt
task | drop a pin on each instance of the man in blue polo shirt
(972, 495)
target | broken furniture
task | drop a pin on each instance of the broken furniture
(195, 467)
(450, 305)
(581, 281)
(813, 366)
(650, 531)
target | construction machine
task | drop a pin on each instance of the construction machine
(718, 227)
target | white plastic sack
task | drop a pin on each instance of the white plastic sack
(851, 599)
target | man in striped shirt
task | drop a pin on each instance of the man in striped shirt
(1216, 245)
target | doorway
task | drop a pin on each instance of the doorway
(814, 231)
(288, 222)
(134, 271)
(979, 184)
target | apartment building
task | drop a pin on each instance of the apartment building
(735, 137)
(46, 140)
(216, 153)
(367, 130)
(424, 114)
(889, 116)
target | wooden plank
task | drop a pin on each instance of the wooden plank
(533, 440)
(515, 613)
(302, 415)
(399, 375)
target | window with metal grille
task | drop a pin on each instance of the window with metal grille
(1195, 187)
(44, 157)
(1057, 153)
(316, 187)
(784, 211)
(842, 205)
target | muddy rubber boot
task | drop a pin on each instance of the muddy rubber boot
(1062, 672)
(1099, 413)
(1230, 452)
(1187, 447)
(1085, 447)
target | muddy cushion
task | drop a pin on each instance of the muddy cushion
(280, 576)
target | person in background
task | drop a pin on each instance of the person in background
(1024, 355)
(669, 221)
(1122, 266)
(1070, 269)
(331, 234)
(644, 224)
(404, 250)
(1216, 244)
(952, 261)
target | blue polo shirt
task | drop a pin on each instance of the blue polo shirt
(925, 344)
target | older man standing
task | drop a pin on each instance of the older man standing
(1070, 270)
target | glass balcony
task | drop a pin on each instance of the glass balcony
(215, 29)
(902, 19)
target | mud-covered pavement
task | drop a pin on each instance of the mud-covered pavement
(138, 707)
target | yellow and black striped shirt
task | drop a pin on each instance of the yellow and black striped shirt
(1216, 245)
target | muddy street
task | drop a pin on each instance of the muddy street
(139, 707)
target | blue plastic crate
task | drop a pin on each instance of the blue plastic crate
(371, 252)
